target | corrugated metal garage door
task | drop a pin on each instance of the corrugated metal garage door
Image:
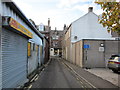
(14, 59)
(0, 51)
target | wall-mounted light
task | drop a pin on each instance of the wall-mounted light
(101, 44)
(75, 37)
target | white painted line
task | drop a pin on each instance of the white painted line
(82, 86)
(30, 86)
(36, 79)
(77, 79)
(81, 82)
(80, 76)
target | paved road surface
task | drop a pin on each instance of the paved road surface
(61, 74)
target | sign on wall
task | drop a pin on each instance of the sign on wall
(14, 24)
(86, 46)
(101, 49)
(29, 49)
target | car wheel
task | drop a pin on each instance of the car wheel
(115, 71)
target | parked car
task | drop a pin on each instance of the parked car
(114, 63)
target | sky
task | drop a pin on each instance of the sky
(60, 12)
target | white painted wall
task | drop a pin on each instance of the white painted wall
(88, 27)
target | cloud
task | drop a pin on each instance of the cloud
(81, 5)
(66, 11)
(24, 7)
(69, 3)
(98, 11)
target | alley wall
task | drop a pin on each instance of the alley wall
(91, 53)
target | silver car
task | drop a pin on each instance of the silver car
(114, 63)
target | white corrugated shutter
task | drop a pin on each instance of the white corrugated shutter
(14, 59)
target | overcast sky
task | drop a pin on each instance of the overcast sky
(60, 12)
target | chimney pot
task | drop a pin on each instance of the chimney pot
(48, 21)
(90, 9)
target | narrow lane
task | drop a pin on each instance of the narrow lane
(62, 74)
(58, 75)
(91, 79)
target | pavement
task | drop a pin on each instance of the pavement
(91, 75)
(106, 74)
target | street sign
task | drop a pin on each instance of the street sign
(86, 46)
(101, 49)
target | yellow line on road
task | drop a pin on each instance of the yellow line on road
(36, 79)
(82, 86)
(77, 78)
(79, 75)
(30, 86)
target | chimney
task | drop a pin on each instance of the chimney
(49, 22)
(90, 9)
(64, 27)
(55, 28)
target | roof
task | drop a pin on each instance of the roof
(14, 7)
(78, 19)
(84, 16)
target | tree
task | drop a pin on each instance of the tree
(110, 16)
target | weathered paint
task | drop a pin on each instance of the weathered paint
(13, 23)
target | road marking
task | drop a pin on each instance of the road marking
(77, 78)
(82, 86)
(79, 75)
(36, 79)
(81, 82)
(30, 86)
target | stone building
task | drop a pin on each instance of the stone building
(87, 43)
(56, 42)
(45, 30)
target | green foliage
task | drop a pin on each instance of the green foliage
(110, 16)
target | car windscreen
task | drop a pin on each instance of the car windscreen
(113, 56)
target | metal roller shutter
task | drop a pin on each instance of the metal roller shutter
(14, 59)
(0, 52)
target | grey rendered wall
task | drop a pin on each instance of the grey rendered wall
(92, 56)
(14, 59)
(95, 58)
(111, 47)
